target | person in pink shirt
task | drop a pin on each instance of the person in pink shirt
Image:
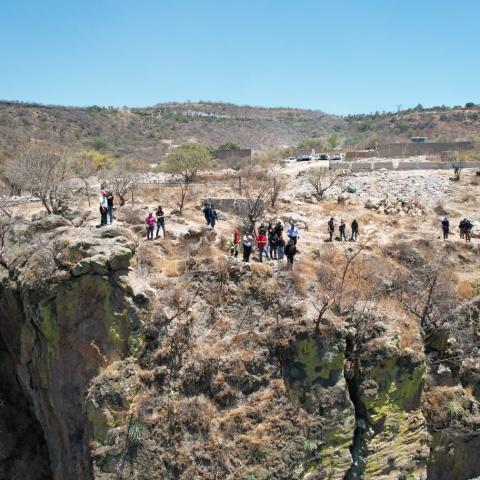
(150, 221)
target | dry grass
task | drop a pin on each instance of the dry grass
(464, 290)
(174, 267)
(437, 401)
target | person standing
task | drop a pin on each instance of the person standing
(280, 247)
(206, 212)
(247, 246)
(272, 242)
(468, 230)
(279, 229)
(341, 229)
(261, 240)
(236, 241)
(292, 233)
(290, 252)
(103, 208)
(160, 216)
(110, 198)
(461, 227)
(150, 221)
(354, 230)
(445, 228)
(212, 216)
(331, 228)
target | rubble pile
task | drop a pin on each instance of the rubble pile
(395, 206)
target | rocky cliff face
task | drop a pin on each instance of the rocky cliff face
(216, 373)
(66, 311)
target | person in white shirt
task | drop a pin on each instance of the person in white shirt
(103, 208)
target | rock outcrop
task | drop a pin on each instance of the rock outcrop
(65, 313)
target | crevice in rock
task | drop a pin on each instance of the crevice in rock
(23, 450)
(362, 432)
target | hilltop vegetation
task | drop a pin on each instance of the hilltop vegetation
(147, 133)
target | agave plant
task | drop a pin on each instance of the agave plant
(136, 433)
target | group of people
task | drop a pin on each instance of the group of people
(269, 242)
(342, 230)
(465, 228)
(158, 220)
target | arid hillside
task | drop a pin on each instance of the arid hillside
(146, 133)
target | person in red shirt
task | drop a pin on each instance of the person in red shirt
(236, 241)
(261, 240)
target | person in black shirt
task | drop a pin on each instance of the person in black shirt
(354, 236)
(331, 228)
(445, 228)
(110, 198)
(160, 216)
(341, 229)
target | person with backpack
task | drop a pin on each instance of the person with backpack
(160, 216)
(445, 228)
(212, 216)
(110, 198)
(468, 230)
(261, 240)
(103, 208)
(341, 229)
(331, 228)
(150, 221)
(272, 242)
(292, 233)
(247, 246)
(290, 252)
(354, 236)
(280, 247)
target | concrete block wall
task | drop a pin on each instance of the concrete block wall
(387, 165)
(361, 167)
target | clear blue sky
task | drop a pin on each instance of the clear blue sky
(340, 56)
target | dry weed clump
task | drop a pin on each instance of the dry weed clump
(464, 290)
(195, 414)
(444, 404)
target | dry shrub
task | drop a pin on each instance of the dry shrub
(147, 255)
(439, 208)
(131, 216)
(299, 282)
(146, 376)
(469, 197)
(464, 290)
(261, 271)
(173, 268)
(195, 414)
(437, 401)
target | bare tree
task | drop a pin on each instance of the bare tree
(45, 173)
(123, 179)
(321, 179)
(237, 163)
(251, 208)
(89, 163)
(332, 283)
(8, 219)
(276, 186)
